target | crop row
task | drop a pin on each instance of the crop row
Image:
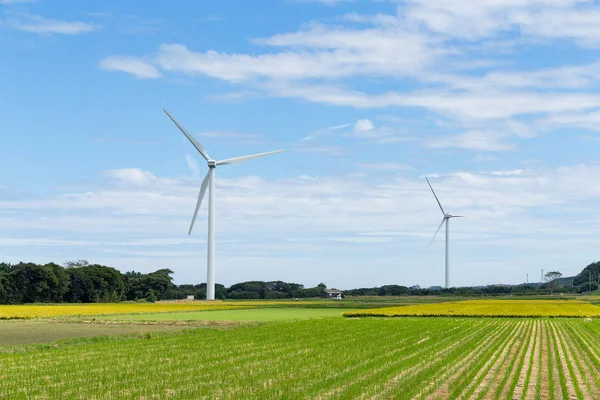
(405, 358)
(488, 308)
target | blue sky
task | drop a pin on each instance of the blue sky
(497, 102)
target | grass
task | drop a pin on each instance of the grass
(254, 314)
(28, 332)
(488, 308)
(401, 358)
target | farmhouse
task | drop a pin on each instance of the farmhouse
(331, 294)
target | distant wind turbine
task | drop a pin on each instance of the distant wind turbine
(209, 181)
(445, 220)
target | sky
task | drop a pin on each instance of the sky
(497, 102)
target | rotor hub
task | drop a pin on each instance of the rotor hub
(212, 164)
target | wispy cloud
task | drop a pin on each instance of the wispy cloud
(325, 131)
(192, 165)
(473, 140)
(449, 70)
(132, 65)
(41, 25)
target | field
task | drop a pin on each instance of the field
(299, 350)
(255, 314)
(488, 308)
(56, 310)
(36, 331)
(422, 358)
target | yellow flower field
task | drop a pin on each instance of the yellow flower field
(58, 310)
(487, 308)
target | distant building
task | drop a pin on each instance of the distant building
(190, 297)
(331, 294)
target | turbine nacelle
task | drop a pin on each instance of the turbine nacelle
(212, 163)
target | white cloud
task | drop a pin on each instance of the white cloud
(474, 19)
(363, 126)
(132, 176)
(589, 121)
(473, 140)
(275, 220)
(132, 65)
(41, 25)
(425, 54)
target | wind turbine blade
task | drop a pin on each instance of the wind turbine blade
(237, 160)
(197, 145)
(436, 198)
(436, 232)
(200, 197)
(457, 216)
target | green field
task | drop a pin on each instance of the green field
(37, 331)
(299, 350)
(253, 314)
(323, 358)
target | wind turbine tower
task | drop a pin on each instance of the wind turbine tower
(209, 182)
(445, 220)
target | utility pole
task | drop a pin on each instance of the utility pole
(590, 283)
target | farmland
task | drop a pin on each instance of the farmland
(300, 350)
(422, 358)
(59, 310)
(255, 314)
(16, 332)
(488, 308)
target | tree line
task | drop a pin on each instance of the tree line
(82, 282)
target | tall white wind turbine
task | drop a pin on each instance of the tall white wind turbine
(209, 181)
(446, 220)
